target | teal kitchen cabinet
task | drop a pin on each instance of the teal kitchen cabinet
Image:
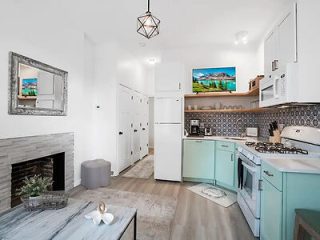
(271, 212)
(282, 193)
(198, 160)
(225, 165)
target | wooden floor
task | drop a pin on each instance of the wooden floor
(195, 217)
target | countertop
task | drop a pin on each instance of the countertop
(295, 163)
(284, 163)
(223, 138)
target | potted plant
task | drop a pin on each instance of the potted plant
(32, 189)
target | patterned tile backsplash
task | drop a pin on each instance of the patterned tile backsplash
(233, 124)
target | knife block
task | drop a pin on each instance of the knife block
(276, 138)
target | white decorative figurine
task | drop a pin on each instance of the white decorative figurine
(100, 214)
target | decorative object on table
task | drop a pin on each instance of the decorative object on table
(189, 107)
(195, 107)
(148, 25)
(52, 200)
(215, 194)
(32, 189)
(100, 214)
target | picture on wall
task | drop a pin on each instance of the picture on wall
(29, 87)
(214, 79)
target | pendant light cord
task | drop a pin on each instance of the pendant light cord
(148, 5)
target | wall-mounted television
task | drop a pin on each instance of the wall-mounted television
(221, 79)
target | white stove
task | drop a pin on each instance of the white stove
(297, 142)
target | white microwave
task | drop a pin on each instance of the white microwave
(279, 88)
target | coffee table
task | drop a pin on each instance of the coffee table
(67, 223)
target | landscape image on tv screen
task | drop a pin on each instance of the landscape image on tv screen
(214, 79)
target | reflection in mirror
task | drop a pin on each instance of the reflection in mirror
(39, 89)
(36, 88)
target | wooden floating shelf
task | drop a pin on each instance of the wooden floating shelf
(252, 110)
(27, 97)
(254, 92)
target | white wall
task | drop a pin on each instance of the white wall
(62, 47)
(113, 65)
(245, 59)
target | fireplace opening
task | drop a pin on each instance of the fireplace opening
(51, 166)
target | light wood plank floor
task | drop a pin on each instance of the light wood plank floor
(196, 218)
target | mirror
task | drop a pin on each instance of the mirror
(36, 88)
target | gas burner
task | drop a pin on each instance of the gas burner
(249, 144)
(266, 147)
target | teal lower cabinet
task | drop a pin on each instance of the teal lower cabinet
(198, 160)
(271, 212)
(225, 165)
(282, 193)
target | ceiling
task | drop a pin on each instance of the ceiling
(184, 23)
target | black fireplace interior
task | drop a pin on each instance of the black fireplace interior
(51, 166)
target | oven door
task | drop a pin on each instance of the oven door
(250, 191)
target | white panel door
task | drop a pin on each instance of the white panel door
(169, 77)
(167, 110)
(144, 136)
(45, 98)
(135, 127)
(168, 154)
(124, 131)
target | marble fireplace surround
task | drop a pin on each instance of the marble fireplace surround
(16, 150)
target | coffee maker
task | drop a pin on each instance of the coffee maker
(194, 127)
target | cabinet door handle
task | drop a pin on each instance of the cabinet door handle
(199, 141)
(225, 146)
(120, 133)
(232, 157)
(143, 129)
(179, 86)
(135, 130)
(272, 66)
(268, 173)
(276, 64)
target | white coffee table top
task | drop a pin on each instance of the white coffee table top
(67, 223)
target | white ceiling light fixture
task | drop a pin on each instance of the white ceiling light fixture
(241, 38)
(148, 25)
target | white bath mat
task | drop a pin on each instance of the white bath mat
(215, 194)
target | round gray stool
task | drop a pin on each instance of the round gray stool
(95, 173)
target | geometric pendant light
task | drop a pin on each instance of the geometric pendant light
(148, 25)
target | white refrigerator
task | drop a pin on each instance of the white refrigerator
(167, 138)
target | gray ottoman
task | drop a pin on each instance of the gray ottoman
(95, 173)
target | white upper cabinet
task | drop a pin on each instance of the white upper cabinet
(169, 77)
(287, 40)
(280, 56)
(280, 45)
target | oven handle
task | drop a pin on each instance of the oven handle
(252, 169)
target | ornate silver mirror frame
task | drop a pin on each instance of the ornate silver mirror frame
(15, 62)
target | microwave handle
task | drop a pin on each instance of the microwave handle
(252, 169)
(275, 87)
